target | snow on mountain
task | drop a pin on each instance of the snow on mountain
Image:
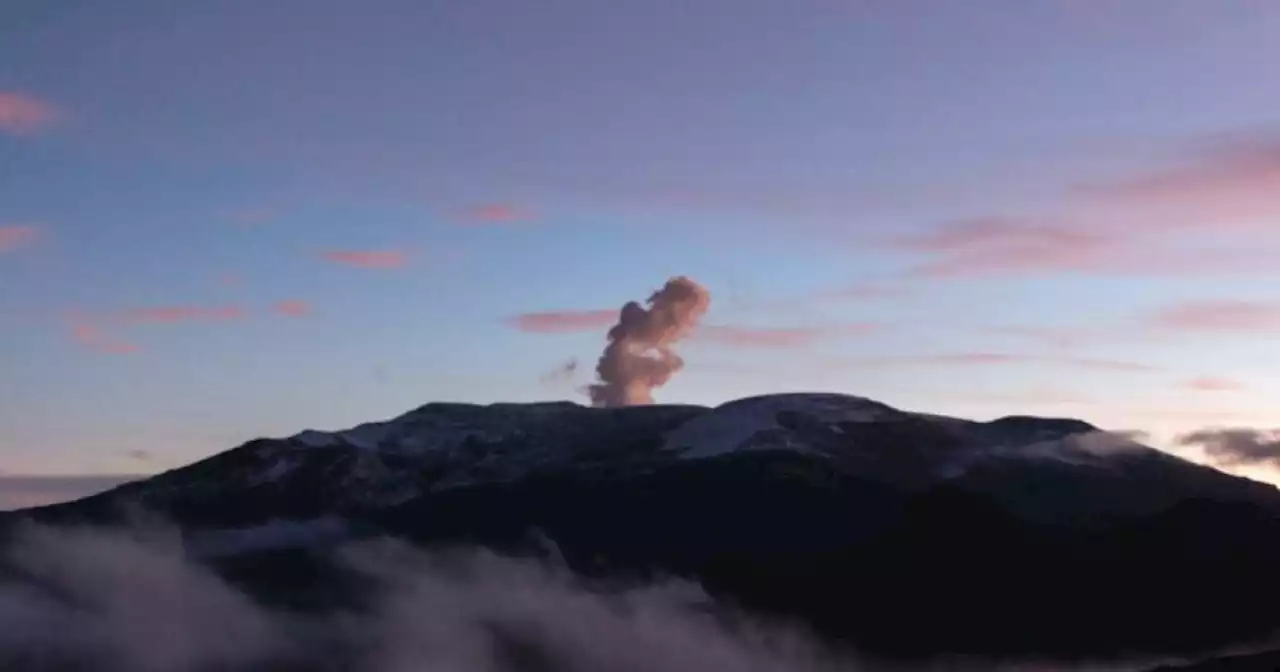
(752, 423)
(445, 446)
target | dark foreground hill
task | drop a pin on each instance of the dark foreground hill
(897, 532)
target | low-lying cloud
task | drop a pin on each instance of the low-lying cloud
(130, 600)
(1236, 446)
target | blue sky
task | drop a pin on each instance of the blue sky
(226, 220)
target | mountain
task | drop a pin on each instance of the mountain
(899, 532)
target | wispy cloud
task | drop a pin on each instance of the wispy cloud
(568, 321)
(1032, 397)
(1054, 337)
(774, 337)
(562, 321)
(818, 298)
(1221, 316)
(987, 232)
(1142, 224)
(17, 236)
(1005, 245)
(1236, 446)
(1220, 184)
(372, 259)
(92, 337)
(863, 290)
(292, 308)
(97, 332)
(23, 114)
(984, 358)
(178, 314)
(496, 213)
(251, 216)
(1213, 384)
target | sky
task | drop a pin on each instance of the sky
(221, 221)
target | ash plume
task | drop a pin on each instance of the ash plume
(639, 357)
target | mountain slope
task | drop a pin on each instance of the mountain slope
(899, 531)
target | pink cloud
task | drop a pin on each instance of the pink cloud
(1214, 384)
(1124, 226)
(1101, 364)
(14, 237)
(23, 114)
(496, 213)
(1039, 397)
(230, 280)
(964, 249)
(251, 216)
(1219, 185)
(968, 235)
(979, 358)
(1002, 245)
(292, 308)
(373, 259)
(563, 321)
(815, 298)
(177, 314)
(566, 321)
(1240, 316)
(863, 291)
(92, 337)
(1055, 337)
(773, 337)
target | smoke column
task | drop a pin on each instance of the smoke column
(639, 357)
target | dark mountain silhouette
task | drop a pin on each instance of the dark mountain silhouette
(896, 532)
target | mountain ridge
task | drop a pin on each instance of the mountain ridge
(872, 524)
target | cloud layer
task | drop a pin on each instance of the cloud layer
(128, 600)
